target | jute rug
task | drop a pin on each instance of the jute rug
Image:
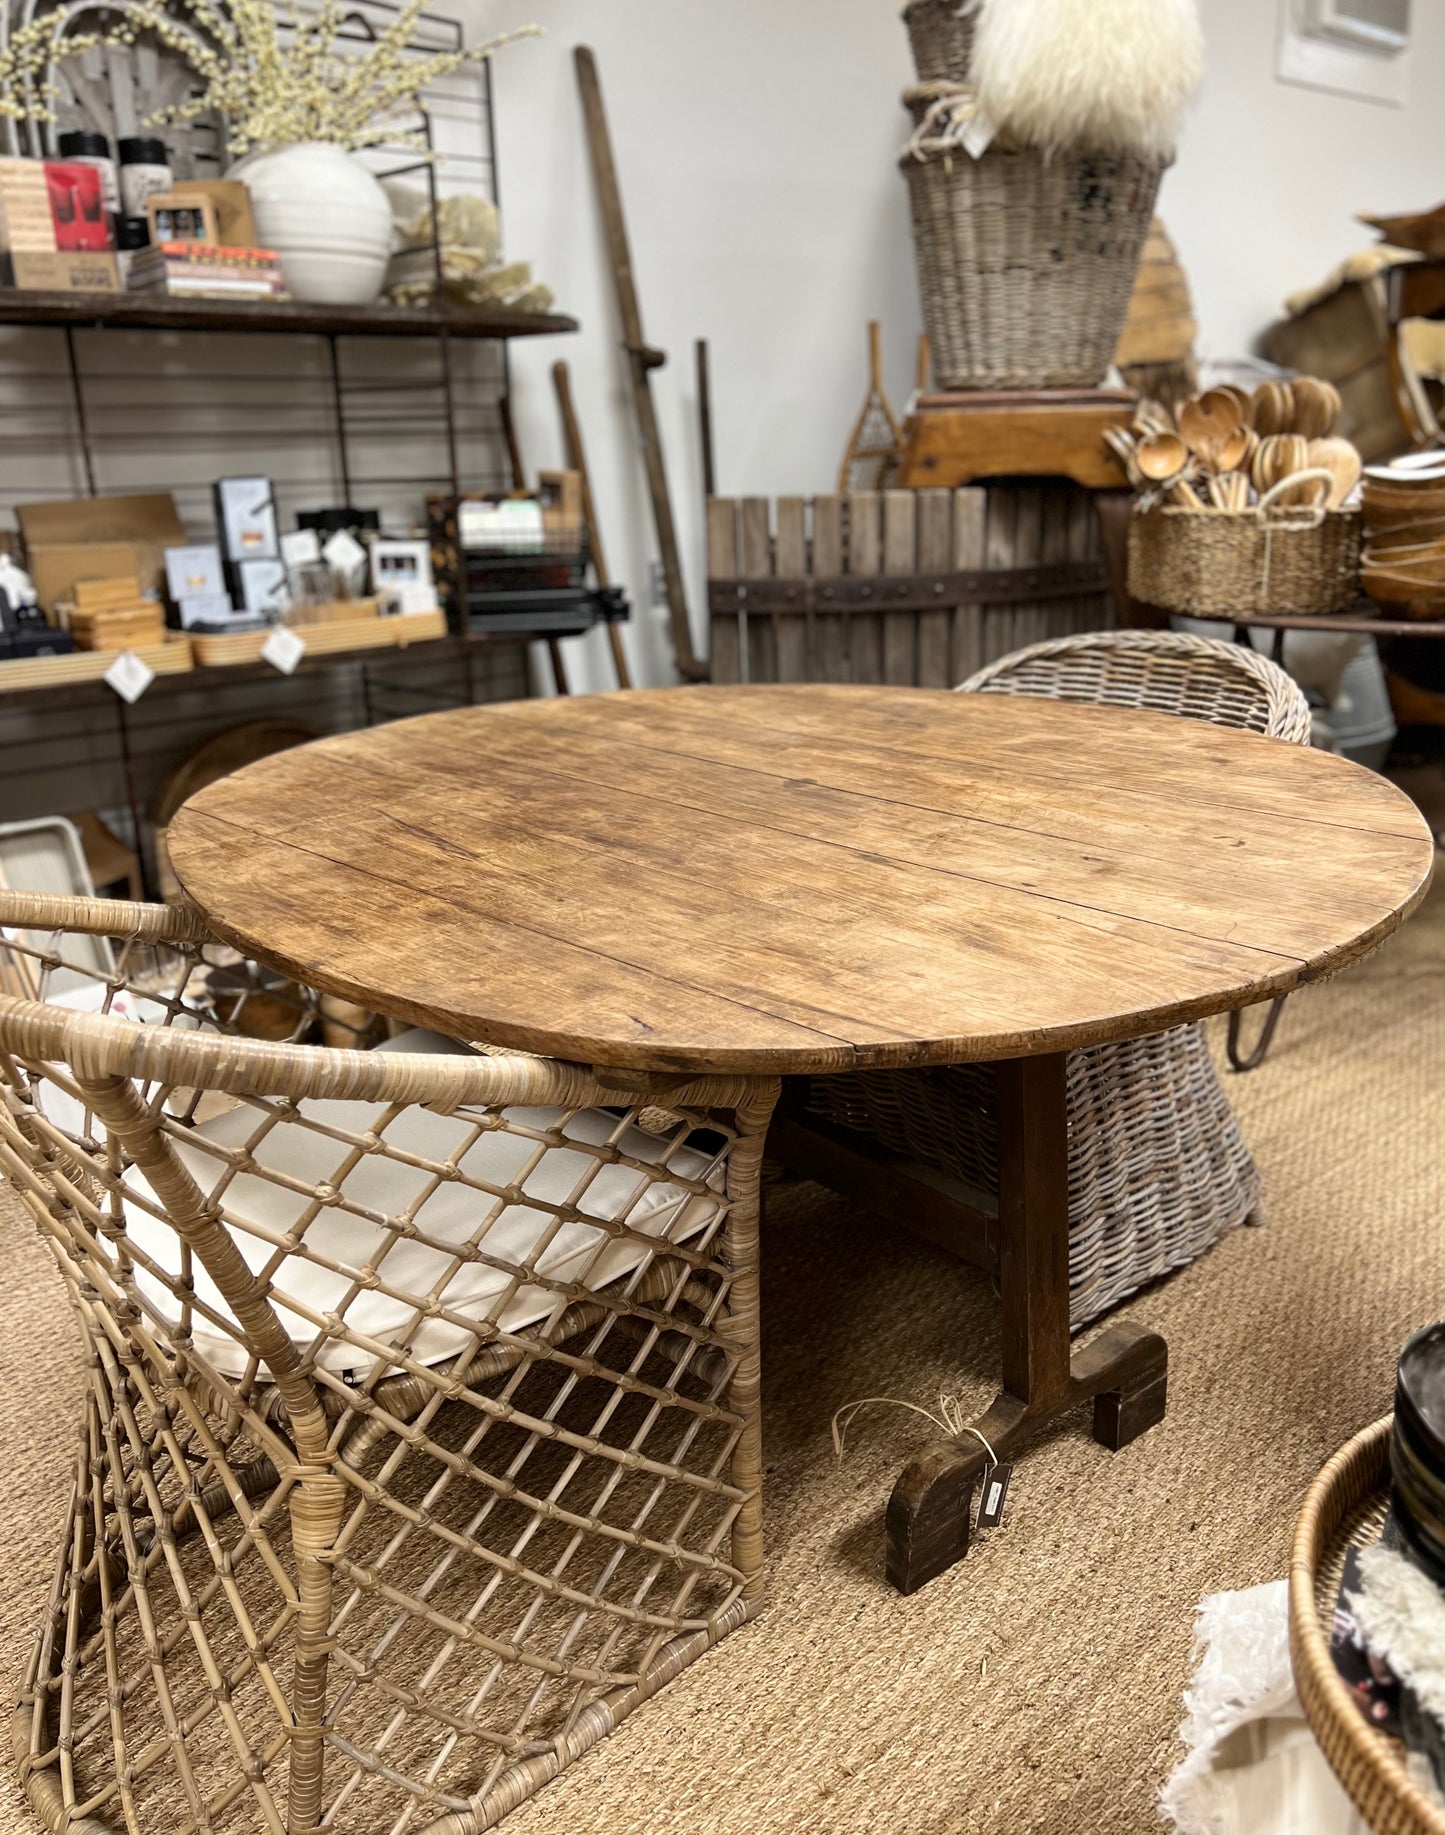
(1036, 1687)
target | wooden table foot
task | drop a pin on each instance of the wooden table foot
(1137, 1371)
(1123, 1371)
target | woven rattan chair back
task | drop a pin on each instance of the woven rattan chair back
(420, 1435)
(1158, 1168)
(1166, 671)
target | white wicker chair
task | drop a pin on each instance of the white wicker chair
(420, 1433)
(1158, 1169)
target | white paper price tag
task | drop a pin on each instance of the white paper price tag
(300, 547)
(283, 649)
(978, 135)
(129, 676)
(343, 552)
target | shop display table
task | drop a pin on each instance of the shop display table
(765, 881)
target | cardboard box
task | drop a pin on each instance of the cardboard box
(246, 519)
(55, 232)
(261, 586)
(97, 538)
(174, 219)
(193, 572)
(231, 201)
(61, 273)
(57, 567)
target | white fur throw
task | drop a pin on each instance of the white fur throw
(1096, 75)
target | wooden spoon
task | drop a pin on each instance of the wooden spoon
(1229, 491)
(1279, 456)
(1162, 457)
(1340, 459)
(1316, 407)
(1152, 417)
(1235, 453)
(1241, 398)
(1273, 408)
(1208, 424)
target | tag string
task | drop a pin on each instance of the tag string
(949, 1419)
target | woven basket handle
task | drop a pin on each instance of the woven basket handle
(1315, 475)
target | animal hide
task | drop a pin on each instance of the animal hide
(1094, 75)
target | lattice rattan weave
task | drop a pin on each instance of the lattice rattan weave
(1158, 1168)
(420, 1438)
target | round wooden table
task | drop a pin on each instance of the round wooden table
(800, 880)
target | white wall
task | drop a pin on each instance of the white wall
(1270, 175)
(756, 142)
(756, 145)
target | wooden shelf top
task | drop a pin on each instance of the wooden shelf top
(156, 312)
(1339, 624)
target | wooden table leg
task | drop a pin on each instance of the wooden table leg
(1122, 1371)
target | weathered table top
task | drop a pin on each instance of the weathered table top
(802, 878)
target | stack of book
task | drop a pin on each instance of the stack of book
(202, 270)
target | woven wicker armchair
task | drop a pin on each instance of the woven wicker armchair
(1158, 1169)
(420, 1433)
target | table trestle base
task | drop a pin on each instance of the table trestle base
(1024, 1241)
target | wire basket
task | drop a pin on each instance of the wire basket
(1026, 263)
(555, 563)
(1208, 564)
(940, 33)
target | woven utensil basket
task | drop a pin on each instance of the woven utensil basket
(1212, 565)
(941, 35)
(1025, 263)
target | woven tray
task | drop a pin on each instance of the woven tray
(325, 639)
(1211, 565)
(1345, 1505)
(170, 658)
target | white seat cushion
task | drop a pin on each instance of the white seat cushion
(451, 1213)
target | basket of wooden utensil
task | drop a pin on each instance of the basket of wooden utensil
(1247, 505)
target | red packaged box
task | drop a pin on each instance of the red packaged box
(55, 232)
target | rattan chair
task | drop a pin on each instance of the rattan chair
(420, 1431)
(1158, 1169)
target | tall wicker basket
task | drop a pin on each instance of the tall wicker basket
(941, 35)
(1026, 263)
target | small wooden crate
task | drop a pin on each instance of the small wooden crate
(118, 627)
(916, 588)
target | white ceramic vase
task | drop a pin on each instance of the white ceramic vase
(327, 218)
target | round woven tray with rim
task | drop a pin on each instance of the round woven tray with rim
(1346, 1505)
